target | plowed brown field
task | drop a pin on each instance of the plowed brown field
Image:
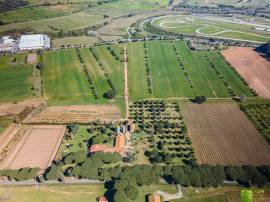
(221, 134)
(37, 148)
(254, 68)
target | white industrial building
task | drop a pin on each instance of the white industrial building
(34, 42)
(7, 44)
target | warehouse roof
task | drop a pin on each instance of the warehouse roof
(34, 41)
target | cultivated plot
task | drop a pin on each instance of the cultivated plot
(37, 148)
(222, 134)
(253, 67)
(76, 114)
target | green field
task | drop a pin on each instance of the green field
(15, 78)
(211, 26)
(51, 193)
(89, 193)
(36, 13)
(76, 40)
(77, 20)
(65, 81)
(168, 78)
(63, 78)
(136, 74)
(71, 16)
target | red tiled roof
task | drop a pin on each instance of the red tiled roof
(120, 141)
(102, 199)
(103, 148)
(154, 198)
(119, 145)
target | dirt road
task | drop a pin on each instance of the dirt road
(126, 81)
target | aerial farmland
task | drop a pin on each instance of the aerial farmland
(130, 100)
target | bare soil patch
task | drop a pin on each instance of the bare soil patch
(76, 114)
(11, 109)
(7, 136)
(253, 67)
(221, 134)
(37, 148)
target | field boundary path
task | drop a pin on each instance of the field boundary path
(168, 196)
(126, 80)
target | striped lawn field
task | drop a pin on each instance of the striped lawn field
(96, 73)
(168, 78)
(114, 68)
(205, 80)
(136, 72)
(15, 78)
(64, 80)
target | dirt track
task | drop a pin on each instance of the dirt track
(222, 134)
(126, 81)
(37, 148)
(254, 68)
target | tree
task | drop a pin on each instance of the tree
(120, 184)
(40, 66)
(200, 99)
(53, 172)
(109, 94)
(132, 192)
(72, 128)
(120, 196)
(265, 170)
(99, 139)
(168, 158)
(233, 173)
(195, 178)
(79, 156)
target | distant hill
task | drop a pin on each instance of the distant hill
(6, 5)
(236, 3)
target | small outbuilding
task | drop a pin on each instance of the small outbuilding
(32, 58)
(154, 198)
(7, 44)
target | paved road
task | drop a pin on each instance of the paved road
(47, 182)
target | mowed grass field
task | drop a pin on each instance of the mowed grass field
(15, 78)
(73, 40)
(169, 80)
(89, 193)
(65, 81)
(52, 193)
